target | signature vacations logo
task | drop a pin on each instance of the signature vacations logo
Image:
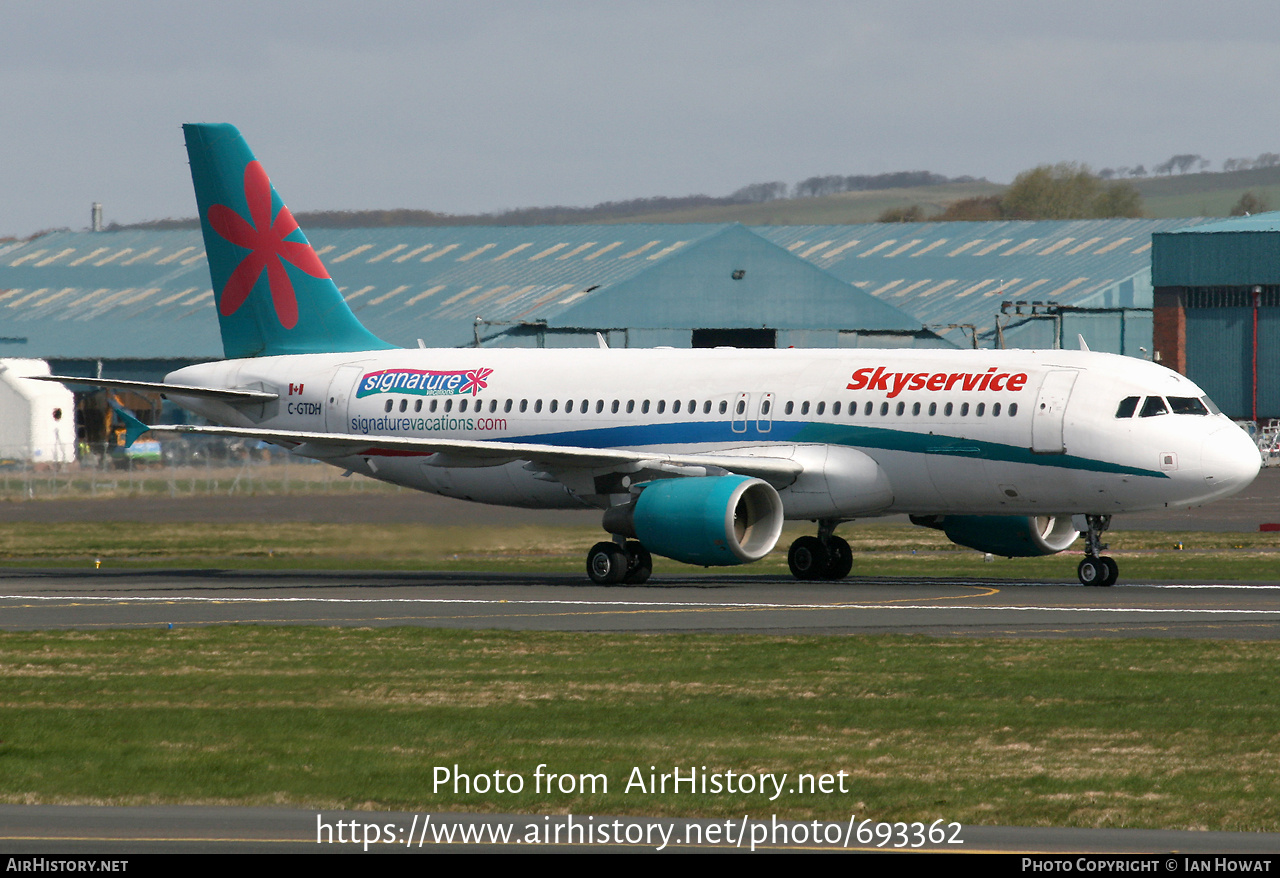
(424, 382)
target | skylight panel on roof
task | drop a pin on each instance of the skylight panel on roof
(1003, 289)
(880, 246)
(832, 254)
(424, 294)
(665, 250)
(963, 247)
(975, 287)
(440, 252)
(640, 249)
(48, 260)
(938, 288)
(513, 251)
(456, 296)
(1113, 245)
(404, 257)
(905, 247)
(193, 259)
(141, 256)
(1083, 246)
(176, 254)
(88, 256)
(358, 293)
(1054, 247)
(33, 255)
(397, 291)
(1142, 249)
(167, 299)
(907, 290)
(925, 249)
(554, 248)
(1017, 247)
(355, 251)
(603, 250)
(476, 252)
(807, 253)
(1053, 294)
(575, 251)
(385, 253)
(114, 256)
(18, 302)
(990, 247)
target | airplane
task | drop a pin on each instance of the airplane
(694, 455)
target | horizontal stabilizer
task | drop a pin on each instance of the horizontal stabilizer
(161, 387)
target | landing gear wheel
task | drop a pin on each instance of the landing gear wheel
(606, 564)
(1113, 571)
(809, 559)
(841, 558)
(639, 564)
(1092, 571)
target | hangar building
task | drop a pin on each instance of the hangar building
(1217, 310)
(141, 299)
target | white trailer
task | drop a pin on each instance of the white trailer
(37, 418)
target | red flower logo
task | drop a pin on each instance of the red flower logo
(266, 240)
(477, 380)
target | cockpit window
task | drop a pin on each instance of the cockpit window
(1209, 405)
(1187, 405)
(1128, 406)
(1152, 406)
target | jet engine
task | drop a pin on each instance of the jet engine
(1013, 536)
(713, 521)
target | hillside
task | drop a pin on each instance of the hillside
(1180, 195)
(1206, 194)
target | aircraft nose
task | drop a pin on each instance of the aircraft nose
(1229, 460)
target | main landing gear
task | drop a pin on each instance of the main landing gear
(825, 556)
(612, 563)
(1096, 568)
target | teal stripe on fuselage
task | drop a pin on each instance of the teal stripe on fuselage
(851, 435)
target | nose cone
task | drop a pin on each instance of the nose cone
(1229, 461)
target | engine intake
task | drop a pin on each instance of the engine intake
(713, 521)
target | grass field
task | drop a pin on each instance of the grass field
(879, 550)
(1067, 733)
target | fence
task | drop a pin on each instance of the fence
(178, 468)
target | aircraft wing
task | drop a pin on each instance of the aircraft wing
(777, 471)
(161, 387)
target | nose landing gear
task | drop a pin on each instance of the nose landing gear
(1096, 568)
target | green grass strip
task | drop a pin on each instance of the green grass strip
(879, 550)
(1119, 733)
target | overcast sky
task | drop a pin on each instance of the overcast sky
(478, 106)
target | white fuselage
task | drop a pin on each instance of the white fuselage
(876, 431)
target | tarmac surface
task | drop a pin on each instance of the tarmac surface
(88, 599)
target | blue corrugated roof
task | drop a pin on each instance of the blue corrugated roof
(1258, 222)
(148, 292)
(960, 272)
(141, 289)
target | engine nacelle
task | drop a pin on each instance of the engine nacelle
(713, 521)
(1013, 536)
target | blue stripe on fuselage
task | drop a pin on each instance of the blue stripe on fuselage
(853, 436)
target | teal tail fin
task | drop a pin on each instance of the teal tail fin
(274, 294)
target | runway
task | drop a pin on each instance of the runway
(88, 599)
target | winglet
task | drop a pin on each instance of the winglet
(133, 427)
(1083, 346)
(274, 294)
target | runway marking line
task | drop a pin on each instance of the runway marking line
(617, 607)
